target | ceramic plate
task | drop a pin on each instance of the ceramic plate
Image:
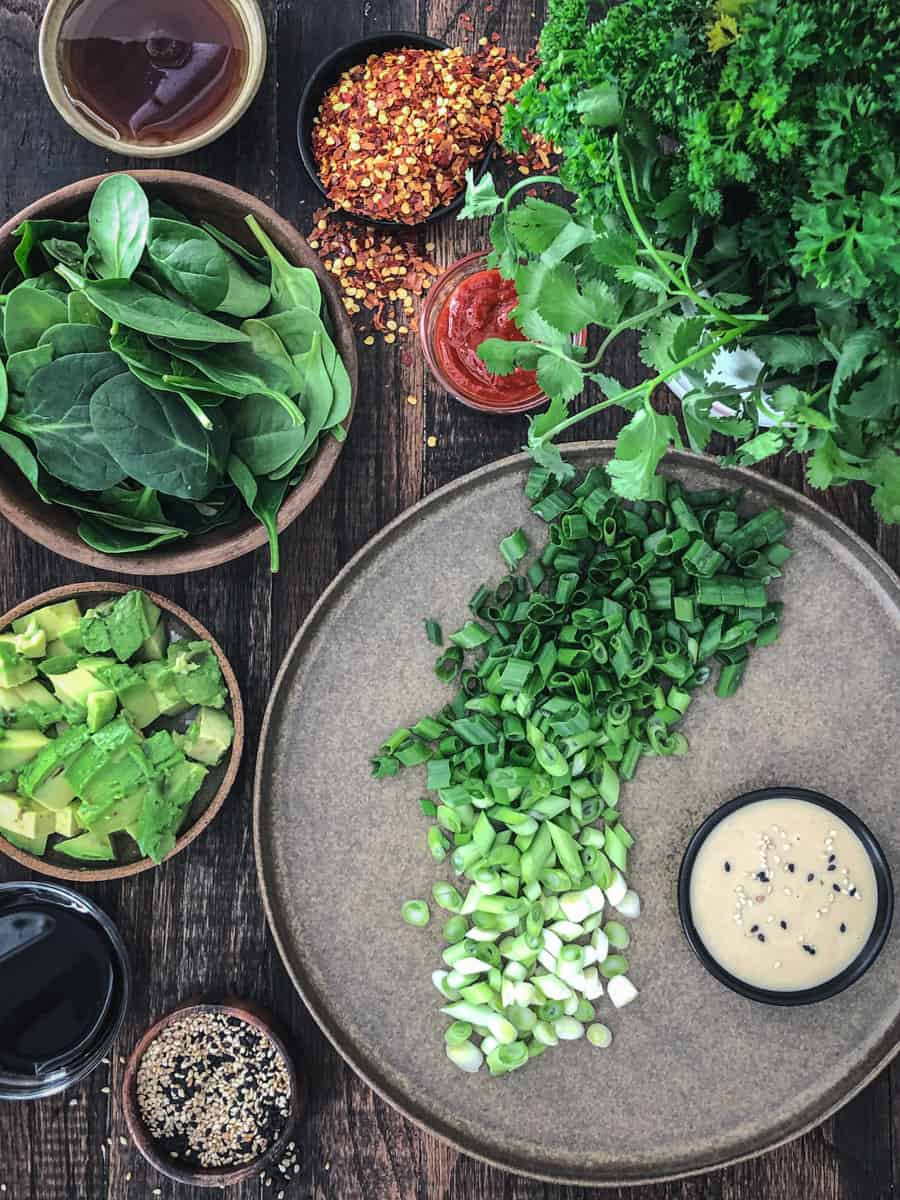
(697, 1076)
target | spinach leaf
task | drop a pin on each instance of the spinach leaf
(132, 510)
(242, 371)
(267, 344)
(28, 313)
(74, 339)
(263, 435)
(61, 250)
(19, 452)
(21, 366)
(49, 281)
(4, 392)
(82, 312)
(245, 296)
(156, 440)
(189, 260)
(56, 415)
(317, 397)
(258, 263)
(109, 540)
(291, 286)
(221, 507)
(119, 221)
(162, 208)
(264, 498)
(132, 305)
(32, 233)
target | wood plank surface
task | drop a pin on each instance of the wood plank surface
(196, 925)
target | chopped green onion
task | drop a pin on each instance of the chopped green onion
(514, 548)
(434, 633)
(415, 912)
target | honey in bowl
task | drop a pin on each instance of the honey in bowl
(154, 72)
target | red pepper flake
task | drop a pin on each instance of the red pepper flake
(394, 137)
(380, 274)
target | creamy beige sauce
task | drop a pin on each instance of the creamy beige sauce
(783, 894)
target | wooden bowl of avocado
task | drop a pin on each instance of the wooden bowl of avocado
(121, 731)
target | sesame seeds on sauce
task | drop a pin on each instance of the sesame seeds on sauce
(213, 1091)
(791, 898)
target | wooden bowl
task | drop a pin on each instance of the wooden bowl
(202, 1177)
(226, 207)
(207, 804)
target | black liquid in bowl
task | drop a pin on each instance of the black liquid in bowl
(64, 985)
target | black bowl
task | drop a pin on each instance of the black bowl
(883, 915)
(326, 74)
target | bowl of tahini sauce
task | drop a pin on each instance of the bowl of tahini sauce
(785, 896)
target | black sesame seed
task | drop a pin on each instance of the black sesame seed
(843, 927)
(831, 867)
(832, 857)
(760, 937)
(852, 891)
(783, 924)
(727, 866)
(791, 868)
(754, 928)
(835, 887)
(810, 877)
(809, 949)
(762, 877)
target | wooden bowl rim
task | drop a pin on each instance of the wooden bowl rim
(255, 1015)
(225, 547)
(126, 870)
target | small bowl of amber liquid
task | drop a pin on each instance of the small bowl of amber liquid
(156, 78)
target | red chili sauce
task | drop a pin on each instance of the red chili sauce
(479, 308)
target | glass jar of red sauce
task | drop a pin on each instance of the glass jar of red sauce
(468, 304)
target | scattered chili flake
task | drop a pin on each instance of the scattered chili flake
(432, 442)
(412, 399)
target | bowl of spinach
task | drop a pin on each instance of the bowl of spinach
(177, 373)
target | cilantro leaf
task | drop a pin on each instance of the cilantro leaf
(642, 278)
(789, 351)
(554, 414)
(639, 448)
(560, 302)
(559, 377)
(481, 197)
(885, 475)
(547, 455)
(614, 250)
(764, 445)
(605, 302)
(687, 337)
(877, 399)
(600, 106)
(569, 238)
(499, 355)
(536, 223)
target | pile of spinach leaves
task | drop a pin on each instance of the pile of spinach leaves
(157, 377)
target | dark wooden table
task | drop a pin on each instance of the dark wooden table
(197, 924)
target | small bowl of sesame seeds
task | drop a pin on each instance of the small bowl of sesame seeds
(211, 1095)
(785, 896)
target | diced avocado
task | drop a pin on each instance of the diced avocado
(75, 686)
(166, 807)
(30, 643)
(125, 813)
(67, 823)
(98, 751)
(155, 646)
(162, 752)
(34, 692)
(55, 794)
(135, 694)
(54, 619)
(101, 708)
(94, 633)
(127, 773)
(53, 760)
(96, 662)
(161, 678)
(36, 846)
(8, 781)
(29, 706)
(133, 619)
(58, 664)
(198, 675)
(209, 736)
(19, 816)
(14, 667)
(72, 640)
(89, 847)
(19, 746)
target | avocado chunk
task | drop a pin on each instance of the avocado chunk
(89, 847)
(154, 648)
(121, 815)
(208, 738)
(94, 633)
(14, 667)
(165, 808)
(74, 687)
(55, 794)
(58, 664)
(132, 619)
(67, 823)
(126, 773)
(19, 816)
(98, 751)
(30, 706)
(101, 708)
(162, 751)
(51, 762)
(30, 643)
(36, 846)
(19, 746)
(198, 675)
(134, 693)
(161, 679)
(55, 619)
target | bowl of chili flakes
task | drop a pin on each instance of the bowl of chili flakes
(382, 139)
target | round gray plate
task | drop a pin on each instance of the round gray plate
(697, 1077)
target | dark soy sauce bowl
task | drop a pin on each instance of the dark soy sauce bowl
(68, 1067)
(326, 74)
(883, 914)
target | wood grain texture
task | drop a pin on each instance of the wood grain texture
(196, 924)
